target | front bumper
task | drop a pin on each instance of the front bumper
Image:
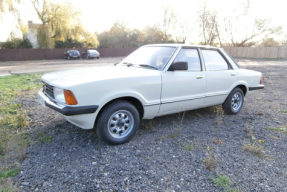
(83, 116)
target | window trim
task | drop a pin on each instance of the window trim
(199, 57)
(220, 53)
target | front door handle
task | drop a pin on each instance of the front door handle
(233, 74)
(199, 77)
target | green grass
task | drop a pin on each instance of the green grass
(224, 182)
(9, 173)
(13, 118)
(189, 147)
(42, 137)
(282, 129)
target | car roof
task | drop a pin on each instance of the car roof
(180, 45)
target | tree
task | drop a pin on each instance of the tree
(168, 23)
(208, 24)
(249, 35)
(9, 6)
(269, 42)
(57, 19)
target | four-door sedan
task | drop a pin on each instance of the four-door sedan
(154, 80)
(72, 54)
(90, 54)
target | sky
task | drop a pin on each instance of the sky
(98, 16)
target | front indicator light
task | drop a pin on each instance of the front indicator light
(70, 98)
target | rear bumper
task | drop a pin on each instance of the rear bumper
(256, 88)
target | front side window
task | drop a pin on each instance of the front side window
(214, 61)
(191, 57)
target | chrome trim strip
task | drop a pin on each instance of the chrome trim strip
(173, 101)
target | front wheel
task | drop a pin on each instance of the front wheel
(233, 102)
(118, 123)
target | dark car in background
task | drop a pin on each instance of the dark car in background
(90, 54)
(72, 54)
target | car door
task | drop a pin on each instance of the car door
(221, 78)
(183, 90)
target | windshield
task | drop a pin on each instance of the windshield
(153, 57)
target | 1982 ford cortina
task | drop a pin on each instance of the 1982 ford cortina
(154, 80)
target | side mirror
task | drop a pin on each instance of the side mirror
(178, 66)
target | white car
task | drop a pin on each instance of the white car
(152, 81)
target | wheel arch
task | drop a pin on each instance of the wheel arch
(243, 88)
(134, 101)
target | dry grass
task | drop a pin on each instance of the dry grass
(255, 149)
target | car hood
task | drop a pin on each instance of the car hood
(64, 79)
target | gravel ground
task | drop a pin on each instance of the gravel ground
(66, 158)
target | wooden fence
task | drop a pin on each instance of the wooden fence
(257, 52)
(40, 54)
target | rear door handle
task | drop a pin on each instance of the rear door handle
(233, 74)
(199, 77)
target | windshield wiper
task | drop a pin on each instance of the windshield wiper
(144, 65)
(128, 64)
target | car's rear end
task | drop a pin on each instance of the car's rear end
(74, 54)
(94, 54)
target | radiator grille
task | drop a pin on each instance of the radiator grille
(48, 90)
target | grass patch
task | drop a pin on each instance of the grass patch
(189, 147)
(9, 173)
(284, 111)
(13, 118)
(282, 129)
(224, 182)
(42, 137)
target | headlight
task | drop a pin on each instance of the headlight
(59, 94)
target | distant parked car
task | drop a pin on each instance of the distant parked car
(72, 54)
(90, 54)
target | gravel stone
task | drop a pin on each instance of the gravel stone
(156, 159)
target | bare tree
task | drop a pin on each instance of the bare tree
(208, 24)
(245, 35)
(168, 23)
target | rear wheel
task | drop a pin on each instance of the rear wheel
(118, 122)
(233, 102)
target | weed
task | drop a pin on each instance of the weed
(256, 149)
(219, 116)
(282, 129)
(189, 147)
(149, 125)
(224, 182)
(284, 111)
(217, 141)
(177, 127)
(161, 138)
(210, 162)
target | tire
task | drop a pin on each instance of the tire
(98, 57)
(118, 123)
(233, 102)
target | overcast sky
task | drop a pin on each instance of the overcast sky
(100, 15)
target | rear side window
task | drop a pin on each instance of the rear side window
(214, 61)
